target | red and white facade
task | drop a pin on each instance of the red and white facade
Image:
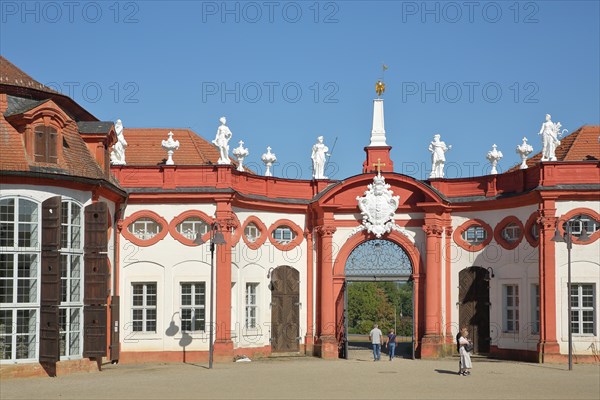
(279, 276)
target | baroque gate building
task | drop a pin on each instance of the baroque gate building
(135, 282)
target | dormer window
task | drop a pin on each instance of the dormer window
(45, 146)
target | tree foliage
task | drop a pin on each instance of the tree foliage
(380, 302)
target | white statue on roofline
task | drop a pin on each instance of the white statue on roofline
(550, 132)
(438, 151)
(117, 155)
(318, 156)
(222, 142)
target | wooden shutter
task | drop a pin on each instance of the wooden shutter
(96, 286)
(94, 337)
(39, 144)
(52, 144)
(50, 281)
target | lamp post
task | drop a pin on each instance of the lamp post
(216, 237)
(568, 239)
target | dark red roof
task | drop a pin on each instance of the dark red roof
(10, 74)
(144, 147)
(581, 145)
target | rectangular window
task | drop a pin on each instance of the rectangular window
(251, 305)
(511, 308)
(583, 313)
(18, 334)
(193, 301)
(535, 309)
(70, 331)
(143, 310)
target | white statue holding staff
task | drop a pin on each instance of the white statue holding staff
(222, 142)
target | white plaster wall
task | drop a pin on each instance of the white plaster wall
(170, 262)
(517, 266)
(585, 268)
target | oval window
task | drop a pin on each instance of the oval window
(145, 228)
(192, 226)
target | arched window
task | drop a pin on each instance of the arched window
(20, 259)
(71, 273)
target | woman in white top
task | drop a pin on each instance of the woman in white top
(465, 357)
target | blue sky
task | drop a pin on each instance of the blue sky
(285, 72)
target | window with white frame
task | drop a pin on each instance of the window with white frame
(474, 234)
(535, 309)
(579, 222)
(145, 228)
(511, 308)
(583, 320)
(283, 234)
(511, 232)
(251, 305)
(193, 302)
(19, 272)
(143, 309)
(71, 265)
(252, 232)
(192, 226)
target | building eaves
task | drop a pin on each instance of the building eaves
(94, 127)
(19, 105)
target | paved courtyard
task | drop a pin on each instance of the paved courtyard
(312, 378)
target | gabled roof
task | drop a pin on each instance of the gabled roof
(581, 145)
(144, 147)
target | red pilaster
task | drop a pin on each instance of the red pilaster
(433, 339)
(548, 348)
(327, 341)
(223, 348)
(309, 338)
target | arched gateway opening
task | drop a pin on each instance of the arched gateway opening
(377, 288)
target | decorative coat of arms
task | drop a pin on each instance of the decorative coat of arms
(378, 207)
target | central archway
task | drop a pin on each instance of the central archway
(376, 265)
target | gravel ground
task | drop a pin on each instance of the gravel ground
(313, 378)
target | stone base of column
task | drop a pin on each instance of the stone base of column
(549, 352)
(327, 347)
(223, 351)
(433, 346)
(309, 345)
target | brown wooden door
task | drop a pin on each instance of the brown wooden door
(96, 280)
(285, 310)
(474, 311)
(49, 352)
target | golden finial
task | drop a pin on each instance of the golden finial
(380, 86)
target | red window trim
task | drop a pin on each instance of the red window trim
(533, 242)
(500, 227)
(293, 226)
(261, 227)
(574, 212)
(141, 214)
(182, 217)
(457, 236)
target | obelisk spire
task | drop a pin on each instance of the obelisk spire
(378, 131)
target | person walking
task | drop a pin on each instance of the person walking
(465, 347)
(376, 338)
(391, 344)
